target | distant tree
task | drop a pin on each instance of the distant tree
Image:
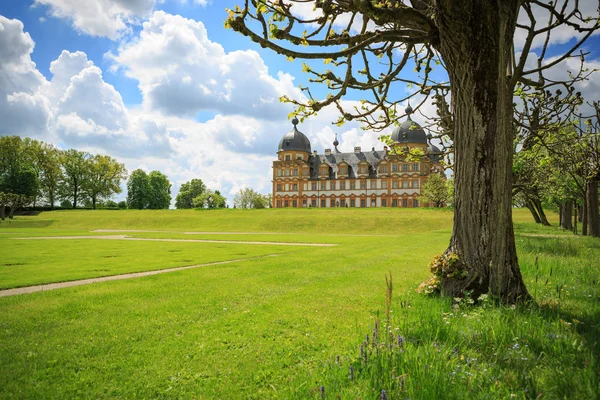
(76, 175)
(138, 190)
(160, 191)
(105, 176)
(210, 200)
(435, 191)
(111, 204)
(187, 193)
(122, 205)
(66, 204)
(248, 198)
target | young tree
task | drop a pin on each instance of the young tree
(249, 198)
(435, 191)
(138, 190)
(76, 175)
(210, 200)
(188, 192)
(473, 39)
(105, 178)
(159, 191)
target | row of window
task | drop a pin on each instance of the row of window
(351, 184)
(363, 169)
(323, 203)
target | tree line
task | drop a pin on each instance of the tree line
(35, 172)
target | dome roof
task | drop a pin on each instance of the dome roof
(434, 152)
(294, 140)
(409, 131)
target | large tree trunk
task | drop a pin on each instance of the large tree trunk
(584, 216)
(593, 218)
(566, 215)
(476, 44)
(2, 212)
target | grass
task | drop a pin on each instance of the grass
(284, 327)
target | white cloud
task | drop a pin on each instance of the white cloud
(108, 18)
(22, 108)
(182, 72)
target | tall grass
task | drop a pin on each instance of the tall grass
(432, 348)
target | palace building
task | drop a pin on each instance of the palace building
(375, 178)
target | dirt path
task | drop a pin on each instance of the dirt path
(60, 285)
(124, 237)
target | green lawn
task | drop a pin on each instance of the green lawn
(273, 327)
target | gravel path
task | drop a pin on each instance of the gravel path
(124, 237)
(60, 285)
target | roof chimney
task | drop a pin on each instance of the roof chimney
(357, 149)
(327, 152)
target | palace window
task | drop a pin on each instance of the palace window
(323, 203)
(363, 170)
(343, 185)
(352, 185)
(415, 203)
(288, 157)
(294, 203)
(342, 203)
(373, 203)
(332, 185)
(286, 204)
(304, 203)
(352, 203)
(415, 167)
(323, 171)
(384, 184)
(383, 169)
(295, 171)
(342, 171)
(373, 183)
(298, 157)
(363, 203)
(404, 184)
(363, 184)
(279, 187)
(332, 203)
(383, 202)
(286, 173)
(394, 184)
(404, 167)
(323, 186)
(394, 167)
(404, 202)
(415, 184)
(313, 186)
(295, 187)
(278, 203)
(395, 203)
(278, 172)
(313, 203)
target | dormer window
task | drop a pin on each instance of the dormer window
(383, 169)
(363, 169)
(342, 171)
(323, 171)
(288, 157)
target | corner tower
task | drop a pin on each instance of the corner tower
(291, 171)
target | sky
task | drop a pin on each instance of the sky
(162, 85)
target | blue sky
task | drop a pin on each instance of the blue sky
(163, 85)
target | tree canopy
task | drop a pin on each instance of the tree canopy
(187, 192)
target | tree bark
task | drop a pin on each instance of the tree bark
(584, 216)
(566, 215)
(593, 218)
(2, 212)
(476, 40)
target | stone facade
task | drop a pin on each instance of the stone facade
(376, 178)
